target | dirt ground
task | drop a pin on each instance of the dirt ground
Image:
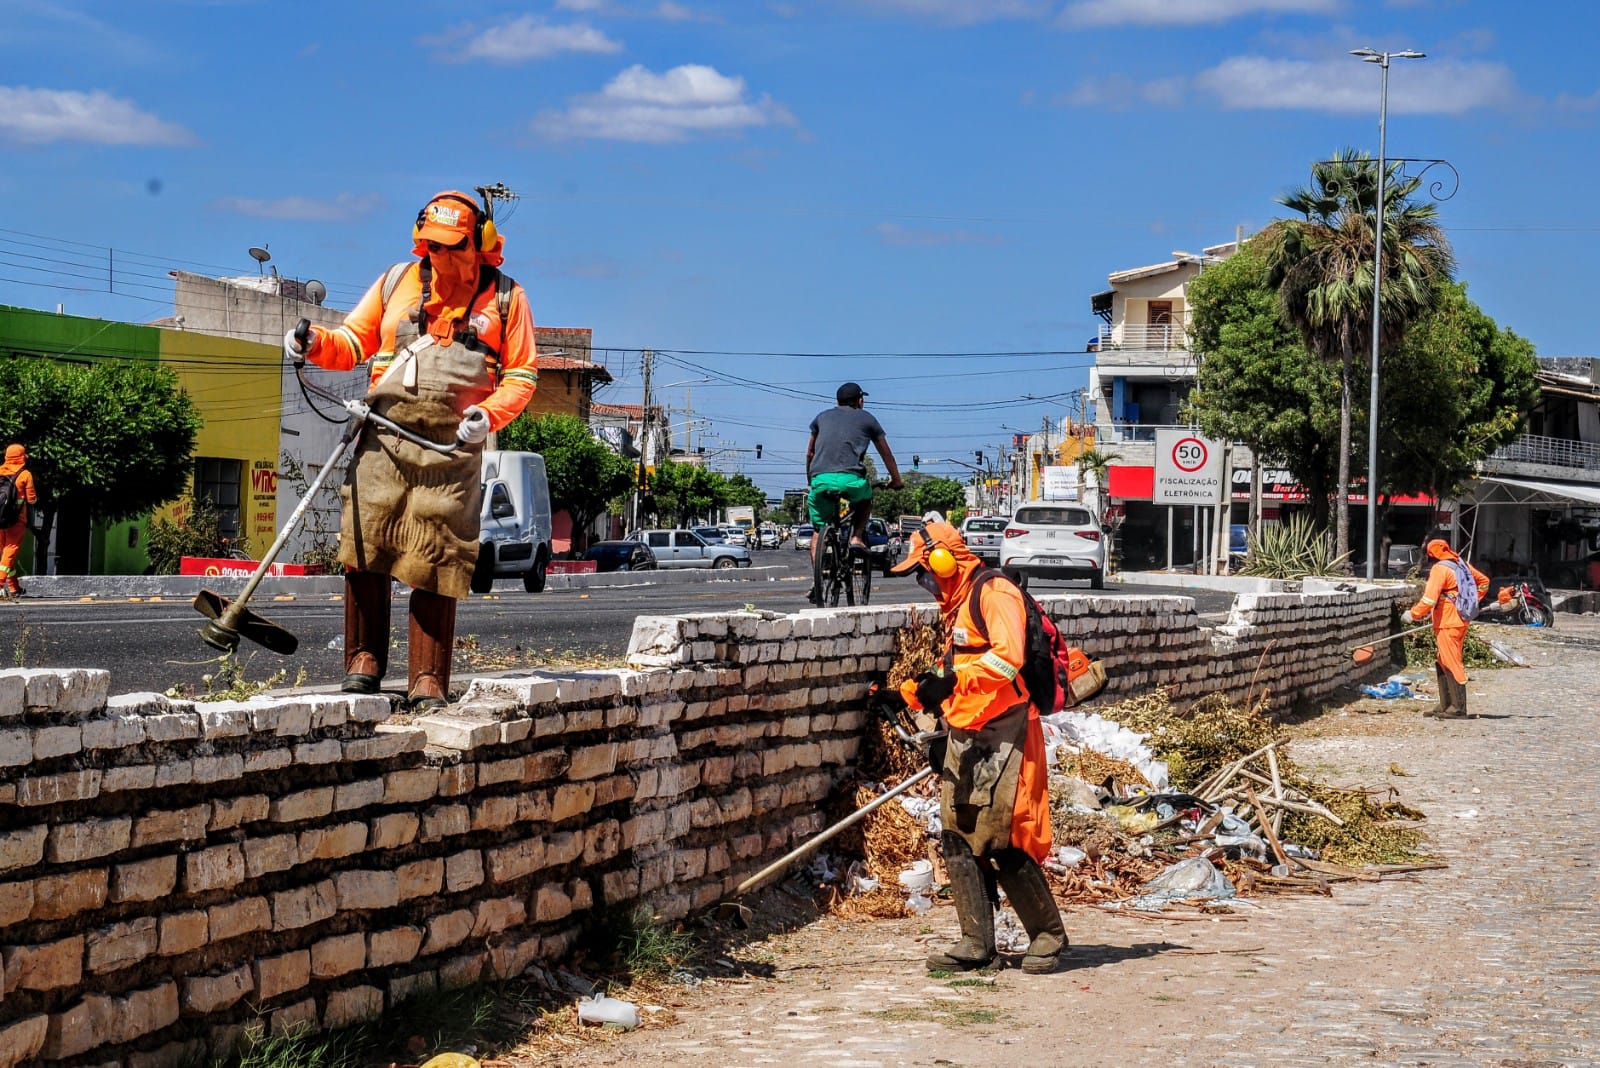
(1428, 968)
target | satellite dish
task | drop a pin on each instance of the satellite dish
(260, 255)
(316, 292)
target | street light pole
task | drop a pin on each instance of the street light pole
(1368, 55)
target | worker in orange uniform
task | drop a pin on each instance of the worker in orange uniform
(993, 795)
(22, 494)
(1446, 580)
(450, 343)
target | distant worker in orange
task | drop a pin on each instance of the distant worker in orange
(17, 492)
(450, 341)
(1454, 590)
(994, 789)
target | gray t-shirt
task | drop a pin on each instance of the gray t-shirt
(843, 435)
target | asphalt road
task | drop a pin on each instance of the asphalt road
(153, 645)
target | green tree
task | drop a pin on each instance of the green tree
(1097, 462)
(944, 495)
(1455, 389)
(684, 492)
(1257, 384)
(106, 440)
(584, 473)
(1321, 265)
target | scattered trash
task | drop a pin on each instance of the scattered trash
(451, 1060)
(917, 904)
(601, 1009)
(1466, 814)
(1070, 856)
(1009, 934)
(1389, 690)
(1193, 879)
(919, 876)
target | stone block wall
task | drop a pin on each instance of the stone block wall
(171, 872)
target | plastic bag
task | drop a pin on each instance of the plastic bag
(1194, 879)
(1388, 690)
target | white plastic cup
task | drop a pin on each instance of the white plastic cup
(919, 876)
(603, 1010)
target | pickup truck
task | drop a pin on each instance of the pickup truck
(983, 535)
(680, 547)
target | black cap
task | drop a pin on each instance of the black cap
(849, 393)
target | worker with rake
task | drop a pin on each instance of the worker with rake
(1447, 587)
(994, 784)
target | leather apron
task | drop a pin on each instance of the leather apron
(978, 787)
(408, 512)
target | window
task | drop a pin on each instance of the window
(660, 539)
(986, 526)
(1054, 517)
(221, 482)
(687, 539)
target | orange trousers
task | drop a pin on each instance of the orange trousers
(10, 547)
(1452, 641)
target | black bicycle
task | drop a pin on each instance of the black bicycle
(838, 568)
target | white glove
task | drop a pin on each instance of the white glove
(292, 350)
(474, 425)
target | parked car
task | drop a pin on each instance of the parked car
(983, 535)
(1238, 543)
(621, 556)
(768, 538)
(883, 544)
(1056, 542)
(714, 535)
(684, 548)
(514, 525)
(1402, 560)
(802, 536)
(735, 536)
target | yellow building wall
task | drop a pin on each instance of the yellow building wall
(236, 385)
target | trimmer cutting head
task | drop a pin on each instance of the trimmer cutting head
(227, 623)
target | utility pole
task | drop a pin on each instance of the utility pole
(644, 445)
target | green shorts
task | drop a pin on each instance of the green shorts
(851, 487)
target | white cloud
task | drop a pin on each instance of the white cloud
(301, 209)
(1433, 87)
(583, 5)
(890, 233)
(958, 12)
(1118, 91)
(530, 37)
(667, 10)
(37, 116)
(679, 104)
(1183, 12)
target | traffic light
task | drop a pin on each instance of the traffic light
(979, 455)
(916, 461)
(758, 452)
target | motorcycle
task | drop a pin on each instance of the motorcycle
(1519, 603)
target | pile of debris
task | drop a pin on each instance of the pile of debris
(1152, 806)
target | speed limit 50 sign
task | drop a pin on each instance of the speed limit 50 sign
(1188, 469)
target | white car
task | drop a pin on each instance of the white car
(1054, 541)
(802, 536)
(768, 538)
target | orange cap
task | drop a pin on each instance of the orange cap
(449, 217)
(16, 454)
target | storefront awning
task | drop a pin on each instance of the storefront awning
(1536, 491)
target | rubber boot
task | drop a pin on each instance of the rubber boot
(1458, 704)
(432, 641)
(1443, 680)
(1036, 907)
(366, 631)
(974, 910)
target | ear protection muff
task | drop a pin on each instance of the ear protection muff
(484, 234)
(940, 561)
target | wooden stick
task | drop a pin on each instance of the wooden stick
(1266, 828)
(1277, 790)
(1401, 869)
(1175, 918)
(1232, 769)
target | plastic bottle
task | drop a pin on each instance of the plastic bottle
(917, 904)
(603, 1010)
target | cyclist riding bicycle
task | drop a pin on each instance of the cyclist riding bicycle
(836, 466)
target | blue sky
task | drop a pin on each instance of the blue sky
(726, 179)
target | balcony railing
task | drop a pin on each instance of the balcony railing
(1149, 337)
(1133, 432)
(1552, 452)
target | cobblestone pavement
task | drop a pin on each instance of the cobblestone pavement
(1491, 962)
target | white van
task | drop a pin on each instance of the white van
(514, 536)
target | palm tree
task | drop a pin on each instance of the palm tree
(1095, 461)
(1321, 266)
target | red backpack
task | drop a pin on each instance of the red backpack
(1057, 675)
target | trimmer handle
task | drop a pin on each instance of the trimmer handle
(302, 340)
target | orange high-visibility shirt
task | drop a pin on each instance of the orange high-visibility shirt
(368, 335)
(1440, 595)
